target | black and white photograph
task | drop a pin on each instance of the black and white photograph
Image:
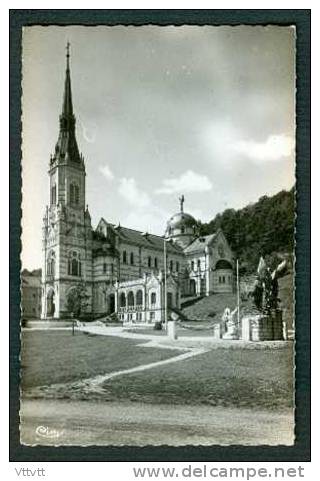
(158, 235)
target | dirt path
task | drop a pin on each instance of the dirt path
(93, 384)
(92, 423)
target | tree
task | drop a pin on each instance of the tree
(265, 228)
(77, 300)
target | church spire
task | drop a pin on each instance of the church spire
(66, 149)
(67, 109)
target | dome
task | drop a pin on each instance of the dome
(181, 227)
(181, 219)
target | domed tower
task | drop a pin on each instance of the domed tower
(181, 227)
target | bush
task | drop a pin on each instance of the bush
(114, 318)
(157, 326)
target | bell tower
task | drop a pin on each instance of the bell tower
(67, 232)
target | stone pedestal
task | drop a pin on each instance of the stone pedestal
(277, 325)
(246, 328)
(171, 330)
(231, 331)
(218, 331)
(262, 327)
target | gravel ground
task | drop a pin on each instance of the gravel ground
(83, 423)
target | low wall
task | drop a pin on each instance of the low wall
(49, 324)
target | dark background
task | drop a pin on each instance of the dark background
(302, 20)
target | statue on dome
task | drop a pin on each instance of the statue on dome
(181, 200)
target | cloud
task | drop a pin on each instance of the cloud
(106, 171)
(152, 220)
(189, 181)
(128, 189)
(143, 214)
(273, 149)
(88, 132)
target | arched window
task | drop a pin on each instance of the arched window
(182, 229)
(71, 194)
(156, 262)
(50, 303)
(54, 194)
(192, 265)
(122, 299)
(139, 298)
(74, 264)
(124, 257)
(131, 258)
(51, 263)
(149, 261)
(177, 267)
(171, 265)
(223, 264)
(74, 193)
(153, 298)
(130, 299)
(199, 264)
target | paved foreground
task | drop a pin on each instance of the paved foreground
(96, 423)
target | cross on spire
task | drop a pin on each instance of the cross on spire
(68, 53)
(67, 109)
(181, 199)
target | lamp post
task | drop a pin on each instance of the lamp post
(165, 282)
(237, 241)
(72, 315)
(238, 294)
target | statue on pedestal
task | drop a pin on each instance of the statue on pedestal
(231, 327)
(266, 287)
(267, 323)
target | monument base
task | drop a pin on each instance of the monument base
(171, 330)
(263, 327)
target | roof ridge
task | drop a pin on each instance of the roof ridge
(122, 228)
(142, 232)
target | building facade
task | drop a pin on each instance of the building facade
(141, 301)
(31, 294)
(122, 269)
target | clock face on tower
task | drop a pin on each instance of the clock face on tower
(221, 250)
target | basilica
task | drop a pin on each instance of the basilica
(136, 275)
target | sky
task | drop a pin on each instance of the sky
(208, 112)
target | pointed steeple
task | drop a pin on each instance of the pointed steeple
(66, 149)
(67, 119)
(67, 109)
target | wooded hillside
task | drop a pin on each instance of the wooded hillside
(264, 228)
